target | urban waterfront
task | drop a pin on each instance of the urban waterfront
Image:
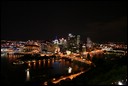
(63, 43)
(63, 62)
(37, 72)
(46, 71)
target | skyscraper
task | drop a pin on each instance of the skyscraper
(89, 44)
(73, 42)
(78, 43)
(78, 39)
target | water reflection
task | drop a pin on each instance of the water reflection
(44, 62)
(60, 66)
(27, 75)
(69, 70)
(34, 65)
(39, 64)
(76, 67)
(49, 62)
(47, 69)
(29, 64)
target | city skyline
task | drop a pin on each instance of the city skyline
(99, 20)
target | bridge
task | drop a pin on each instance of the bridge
(117, 51)
(69, 77)
(77, 59)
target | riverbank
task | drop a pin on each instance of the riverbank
(106, 72)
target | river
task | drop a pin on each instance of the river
(38, 72)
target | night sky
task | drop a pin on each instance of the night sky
(99, 20)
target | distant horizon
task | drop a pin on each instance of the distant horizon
(125, 42)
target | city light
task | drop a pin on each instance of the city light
(62, 49)
(69, 70)
(45, 83)
(120, 83)
(68, 52)
(27, 75)
(64, 43)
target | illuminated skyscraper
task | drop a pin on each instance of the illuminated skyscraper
(78, 41)
(73, 42)
(89, 42)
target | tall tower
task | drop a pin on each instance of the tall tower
(78, 43)
(89, 42)
(72, 43)
(78, 40)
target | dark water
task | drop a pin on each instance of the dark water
(36, 72)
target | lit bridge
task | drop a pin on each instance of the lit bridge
(69, 77)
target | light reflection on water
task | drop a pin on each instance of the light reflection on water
(39, 62)
(27, 75)
(52, 67)
(46, 69)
